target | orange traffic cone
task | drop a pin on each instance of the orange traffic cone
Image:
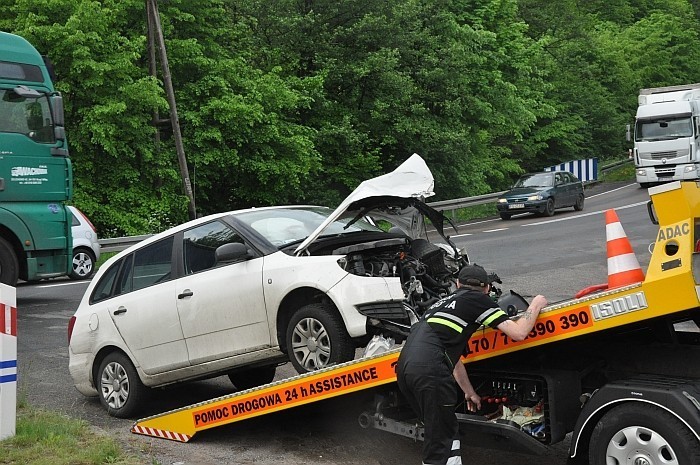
(623, 267)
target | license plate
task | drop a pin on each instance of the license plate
(516, 205)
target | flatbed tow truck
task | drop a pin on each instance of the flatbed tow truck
(613, 368)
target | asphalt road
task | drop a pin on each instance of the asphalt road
(554, 256)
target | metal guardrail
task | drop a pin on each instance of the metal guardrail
(117, 244)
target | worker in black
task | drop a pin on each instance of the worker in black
(429, 363)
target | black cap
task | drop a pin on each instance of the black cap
(473, 275)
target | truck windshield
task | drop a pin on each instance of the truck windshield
(667, 128)
(26, 115)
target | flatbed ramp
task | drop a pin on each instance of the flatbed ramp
(181, 424)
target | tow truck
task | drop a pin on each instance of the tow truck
(618, 369)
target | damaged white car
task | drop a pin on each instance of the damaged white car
(240, 292)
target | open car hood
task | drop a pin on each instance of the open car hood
(394, 196)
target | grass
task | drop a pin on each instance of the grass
(48, 438)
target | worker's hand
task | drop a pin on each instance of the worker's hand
(473, 401)
(539, 302)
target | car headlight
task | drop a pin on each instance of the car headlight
(689, 168)
(535, 197)
(502, 201)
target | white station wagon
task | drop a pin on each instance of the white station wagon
(241, 292)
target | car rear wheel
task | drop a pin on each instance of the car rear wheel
(83, 263)
(316, 338)
(549, 208)
(505, 216)
(252, 377)
(578, 206)
(121, 391)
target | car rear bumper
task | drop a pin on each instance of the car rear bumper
(79, 368)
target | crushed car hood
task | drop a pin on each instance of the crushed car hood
(393, 196)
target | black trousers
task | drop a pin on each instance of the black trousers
(426, 381)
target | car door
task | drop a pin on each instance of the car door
(144, 309)
(560, 192)
(221, 306)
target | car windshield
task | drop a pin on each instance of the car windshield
(283, 226)
(535, 180)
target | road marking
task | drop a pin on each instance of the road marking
(598, 212)
(495, 230)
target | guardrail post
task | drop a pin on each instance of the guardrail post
(8, 360)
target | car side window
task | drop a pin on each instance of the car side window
(103, 289)
(152, 264)
(200, 244)
(558, 179)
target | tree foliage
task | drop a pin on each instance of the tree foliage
(289, 101)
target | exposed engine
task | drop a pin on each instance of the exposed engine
(427, 272)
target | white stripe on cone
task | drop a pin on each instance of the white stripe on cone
(624, 262)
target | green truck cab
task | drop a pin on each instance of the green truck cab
(36, 177)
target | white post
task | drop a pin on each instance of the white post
(8, 360)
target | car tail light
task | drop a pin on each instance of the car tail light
(87, 219)
(71, 325)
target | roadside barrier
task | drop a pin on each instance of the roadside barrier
(8, 360)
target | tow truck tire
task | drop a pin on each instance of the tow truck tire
(639, 433)
(9, 266)
(252, 377)
(316, 338)
(121, 391)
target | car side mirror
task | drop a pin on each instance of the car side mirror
(232, 252)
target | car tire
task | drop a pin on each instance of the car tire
(83, 263)
(578, 206)
(121, 391)
(9, 266)
(549, 208)
(640, 431)
(505, 216)
(316, 338)
(252, 377)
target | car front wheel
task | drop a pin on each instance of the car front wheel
(83, 264)
(316, 338)
(505, 216)
(121, 391)
(549, 208)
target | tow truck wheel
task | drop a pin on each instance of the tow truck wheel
(252, 377)
(9, 266)
(316, 338)
(642, 434)
(121, 391)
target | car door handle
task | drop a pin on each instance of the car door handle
(185, 293)
(120, 310)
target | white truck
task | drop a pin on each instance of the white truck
(667, 134)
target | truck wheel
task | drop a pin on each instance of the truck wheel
(252, 377)
(83, 264)
(9, 266)
(316, 338)
(642, 434)
(578, 206)
(121, 391)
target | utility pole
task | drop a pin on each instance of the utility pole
(155, 31)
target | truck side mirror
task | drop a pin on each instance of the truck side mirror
(57, 110)
(629, 133)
